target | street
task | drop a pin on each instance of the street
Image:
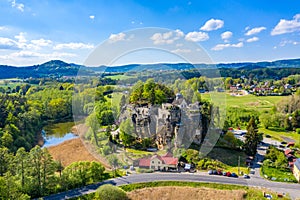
(255, 181)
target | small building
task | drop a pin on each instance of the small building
(287, 152)
(290, 144)
(296, 170)
(157, 162)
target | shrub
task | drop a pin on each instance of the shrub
(298, 130)
(110, 192)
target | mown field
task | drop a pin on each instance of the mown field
(258, 103)
(119, 77)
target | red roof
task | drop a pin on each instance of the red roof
(170, 160)
(144, 162)
(168, 154)
(287, 151)
(166, 159)
(291, 144)
(156, 156)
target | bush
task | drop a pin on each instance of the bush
(110, 192)
(142, 170)
(298, 130)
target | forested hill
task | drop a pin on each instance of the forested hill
(57, 68)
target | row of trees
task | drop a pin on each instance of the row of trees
(286, 115)
(19, 122)
(33, 174)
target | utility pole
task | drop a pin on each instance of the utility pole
(239, 165)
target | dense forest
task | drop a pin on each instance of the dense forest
(57, 68)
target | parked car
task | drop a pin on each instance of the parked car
(210, 172)
(224, 173)
(268, 136)
(228, 174)
(246, 176)
(219, 172)
(215, 172)
(234, 175)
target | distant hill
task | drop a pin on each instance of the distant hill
(57, 68)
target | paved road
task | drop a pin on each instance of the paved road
(292, 189)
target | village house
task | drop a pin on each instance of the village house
(296, 170)
(157, 162)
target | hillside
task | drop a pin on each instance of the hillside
(57, 68)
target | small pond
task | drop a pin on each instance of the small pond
(57, 133)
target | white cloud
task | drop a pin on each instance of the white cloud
(18, 6)
(7, 43)
(41, 42)
(73, 45)
(167, 37)
(247, 28)
(181, 51)
(255, 30)
(23, 57)
(226, 35)
(21, 37)
(92, 17)
(286, 42)
(196, 36)
(212, 24)
(3, 28)
(287, 26)
(219, 47)
(117, 37)
(253, 39)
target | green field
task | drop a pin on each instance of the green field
(119, 77)
(259, 103)
(5, 83)
(279, 175)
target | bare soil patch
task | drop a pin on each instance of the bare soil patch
(170, 193)
(71, 151)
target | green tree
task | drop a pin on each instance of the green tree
(126, 132)
(232, 142)
(42, 169)
(93, 123)
(122, 102)
(296, 119)
(5, 158)
(252, 138)
(114, 162)
(21, 165)
(191, 156)
(110, 192)
(265, 120)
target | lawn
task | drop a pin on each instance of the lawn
(119, 77)
(280, 134)
(115, 100)
(230, 158)
(279, 174)
(250, 101)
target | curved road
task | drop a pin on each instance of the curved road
(292, 189)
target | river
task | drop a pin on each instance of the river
(54, 134)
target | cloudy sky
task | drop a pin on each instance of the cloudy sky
(32, 32)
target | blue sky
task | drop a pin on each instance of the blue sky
(32, 32)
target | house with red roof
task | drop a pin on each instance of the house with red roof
(296, 170)
(157, 162)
